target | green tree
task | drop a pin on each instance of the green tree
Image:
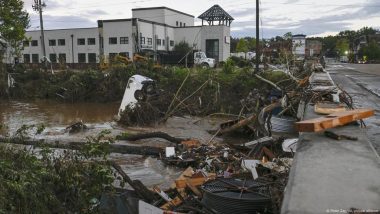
(287, 36)
(366, 31)
(13, 22)
(182, 47)
(242, 46)
(251, 43)
(342, 46)
(233, 44)
(372, 51)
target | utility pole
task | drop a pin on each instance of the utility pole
(38, 6)
(257, 37)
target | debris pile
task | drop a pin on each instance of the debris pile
(251, 177)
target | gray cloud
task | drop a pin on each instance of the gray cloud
(96, 12)
(246, 12)
(291, 1)
(61, 22)
(329, 23)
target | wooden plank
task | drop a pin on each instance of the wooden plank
(333, 120)
(182, 183)
(191, 144)
(184, 175)
(173, 203)
(329, 108)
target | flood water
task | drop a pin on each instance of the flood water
(57, 116)
(14, 114)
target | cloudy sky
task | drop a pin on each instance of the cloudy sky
(310, 17)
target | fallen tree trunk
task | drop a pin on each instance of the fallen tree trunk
(114, 148)
(140, 189)
(267, 81)
(151, 135)
(239, 124)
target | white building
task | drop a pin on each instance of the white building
(79, 45)
(299, 46)
(155, 29)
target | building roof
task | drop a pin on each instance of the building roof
(83, 28)
(216, 13)
(299, 35)
(157, 8)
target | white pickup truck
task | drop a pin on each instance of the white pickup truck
(201, 59)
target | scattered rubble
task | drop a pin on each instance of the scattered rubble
(251, 177)
(228, 178)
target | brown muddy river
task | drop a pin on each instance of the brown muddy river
(57, 116)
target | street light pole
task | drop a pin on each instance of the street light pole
(38, 6)
(257, 37)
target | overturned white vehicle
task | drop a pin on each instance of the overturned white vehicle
(139, 88)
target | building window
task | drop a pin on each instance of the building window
(53, 58)
(124, 40)
(184, 24)
(176, 23)
(35, 58)
(124, 54)
(171, 43)
(61, 42)
(52, 42)
(180, 24)
(142, 40)
(91, 41)
(25, 43)
(149, 41)
(34, 43)
(158, 41)
(81, 41)
(92, 58)
(26, 58)
(163, 42)
(113, 40)
(62, 58)
(82, 58)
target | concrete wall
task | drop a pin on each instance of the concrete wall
(70, 48)
(156, 15)
(191, 35)
(199, 34)
(117, 29)
(164, 15)
(220, 32)
(147, 30)
(156, 31)
(172, 17)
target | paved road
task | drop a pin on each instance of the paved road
(362, 82)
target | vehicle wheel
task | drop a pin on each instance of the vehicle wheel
(149, 89)
(205, 65)
(139, 95)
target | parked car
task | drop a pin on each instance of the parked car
(344, 59)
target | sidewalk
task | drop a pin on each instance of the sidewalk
(333, 176)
